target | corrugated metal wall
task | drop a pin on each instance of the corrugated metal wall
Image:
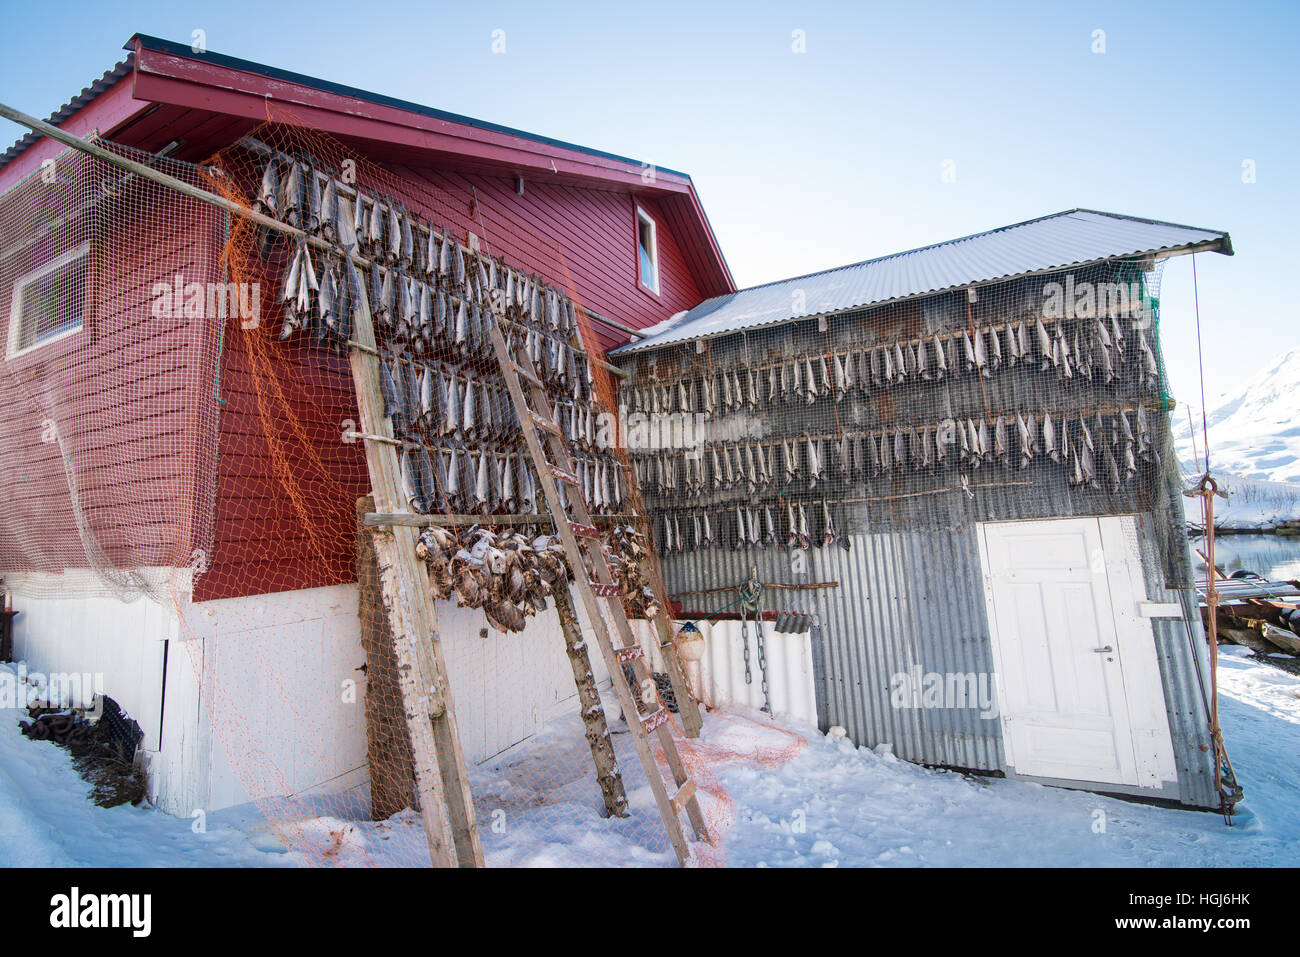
(904, 599)
(911, 590)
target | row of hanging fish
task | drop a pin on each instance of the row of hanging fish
(1012, 440)
(455, 479)
(564, 370)
(427, 285)
(1092, 348)
(782, 524)
(435, 399)
(510, 575)
(458, 480)
(323, 303)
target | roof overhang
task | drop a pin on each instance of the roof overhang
(762, 312)
(172, 73)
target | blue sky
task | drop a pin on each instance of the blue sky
(810, 160)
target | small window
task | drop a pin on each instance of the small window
(49, 303)
(647, 251)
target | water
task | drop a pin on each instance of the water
(1274, 556)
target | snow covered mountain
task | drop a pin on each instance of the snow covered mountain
(1254, 430)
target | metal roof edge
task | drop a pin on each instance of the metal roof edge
(1163, 252)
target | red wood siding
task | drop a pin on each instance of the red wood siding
(592, 230)
(276, 531)
(131, 394)
(287, 483)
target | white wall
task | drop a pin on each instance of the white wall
(120, 645)
(719, 678)
(254, 687)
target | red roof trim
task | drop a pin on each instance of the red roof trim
(168, 77)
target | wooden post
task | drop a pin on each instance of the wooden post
(442, 780)
(593, 713)
(388, 742)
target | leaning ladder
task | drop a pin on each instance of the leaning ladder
(573, 522)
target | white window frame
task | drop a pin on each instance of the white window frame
(16, 304)
(643, 217)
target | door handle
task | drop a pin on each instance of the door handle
(1104, 650)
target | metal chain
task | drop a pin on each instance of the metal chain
(751, 602)
(744, 635)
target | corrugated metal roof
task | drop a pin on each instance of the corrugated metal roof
(72, 106)
(1071, 238)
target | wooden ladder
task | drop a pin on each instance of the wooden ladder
(562, 490)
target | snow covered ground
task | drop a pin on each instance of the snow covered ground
(793, 797)
(1251, 504)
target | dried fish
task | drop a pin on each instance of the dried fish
(841, 380)
(940, 359)
(981, 356)
(1044, 345)
(968, 349)
(1026, 440)
(268, 195)
(814, 449)
(829, 535)
(1000, 450)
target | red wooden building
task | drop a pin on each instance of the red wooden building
(182, 476)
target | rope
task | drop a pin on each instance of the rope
(1200, 361)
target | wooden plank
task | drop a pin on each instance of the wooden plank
(608, 777)
(442, 779)
(388, 742)
(683, 795)
(1280, 637)
(554, 495)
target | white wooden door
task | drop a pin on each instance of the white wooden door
(1080, 691)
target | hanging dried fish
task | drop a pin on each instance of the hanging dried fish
(814, 449)
(1026, 442)
(1145, 448)
(981, 356)
(829, 535)
(968, 350)
(1150, 368)
(940, 359)
(1061, 350)
(1000, 449)
(1044, 345)
(1049, 438)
